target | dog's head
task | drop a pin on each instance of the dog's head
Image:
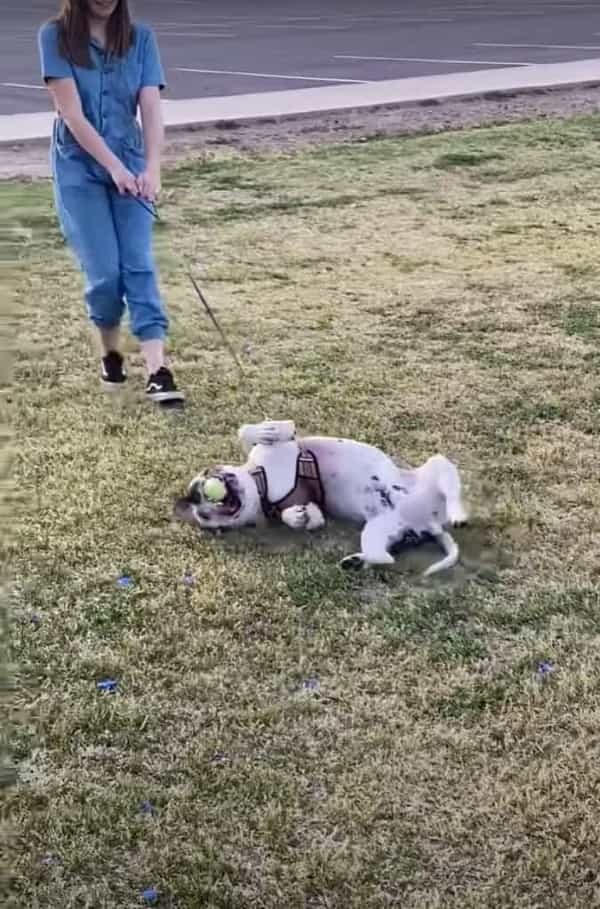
(240, 507)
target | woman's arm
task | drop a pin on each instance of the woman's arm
(154, 134)
(68, 104)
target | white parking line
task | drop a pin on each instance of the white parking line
(231, 72)
(434, 60)
(168, 34)
(160, 25)
(512, 14)
(306, 28)
(40, 88)
(544, 46)
(486, 11)
(398, 18)
(350, 22)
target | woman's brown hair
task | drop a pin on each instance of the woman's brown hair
(74, 31)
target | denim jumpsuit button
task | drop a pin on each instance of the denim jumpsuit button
(110, 234)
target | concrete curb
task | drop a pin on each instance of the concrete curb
(194, 114)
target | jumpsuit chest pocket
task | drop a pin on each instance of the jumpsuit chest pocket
(127, 80)
(121, 80)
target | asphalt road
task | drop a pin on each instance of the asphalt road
(226, 47)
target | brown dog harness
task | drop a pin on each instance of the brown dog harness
(307, 486)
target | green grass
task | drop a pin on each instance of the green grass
(425, 294)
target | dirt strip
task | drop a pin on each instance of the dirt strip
(30, 161)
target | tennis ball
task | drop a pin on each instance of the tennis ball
(214, 489)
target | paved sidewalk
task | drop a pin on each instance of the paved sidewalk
(20, 128)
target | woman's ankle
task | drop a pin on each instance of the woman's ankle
(154, 354)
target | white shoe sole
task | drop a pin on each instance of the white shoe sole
(159, 397)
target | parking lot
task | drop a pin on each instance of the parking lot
(213, 48)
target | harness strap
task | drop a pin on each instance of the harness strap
(260, 478)
(307, 486)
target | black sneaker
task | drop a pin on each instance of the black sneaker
(161, 389)
(113, 372)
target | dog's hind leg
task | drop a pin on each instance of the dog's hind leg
(377, 536)
(450, 559)
(444, 474)
(451, 488)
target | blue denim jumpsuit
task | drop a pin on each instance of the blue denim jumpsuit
(110, 234)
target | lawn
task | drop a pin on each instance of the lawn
(283, 735)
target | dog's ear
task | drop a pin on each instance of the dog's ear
(182, 509)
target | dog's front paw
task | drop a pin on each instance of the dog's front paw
(276, 431)
(267, 435)
(303, 517)
(316, 518)
(269, 432)
(296, 517)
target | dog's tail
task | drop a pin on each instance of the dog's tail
(449, 560)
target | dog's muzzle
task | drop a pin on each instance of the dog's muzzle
(196, 507)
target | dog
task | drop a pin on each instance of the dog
(301, 481)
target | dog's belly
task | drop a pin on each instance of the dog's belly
(356, 477)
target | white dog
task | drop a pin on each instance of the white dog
(301, 480)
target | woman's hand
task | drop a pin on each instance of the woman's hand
(125, 181)
(148, 183)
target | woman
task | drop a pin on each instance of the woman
(100, 69)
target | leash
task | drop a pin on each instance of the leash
(213, 319)
(207, 308)
(151, 208)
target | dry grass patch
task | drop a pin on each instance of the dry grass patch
(309, 739)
